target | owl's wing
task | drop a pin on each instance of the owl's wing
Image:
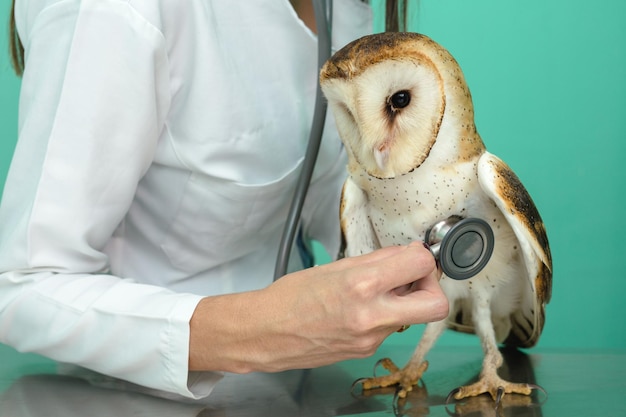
(501, 184)
(357, 231)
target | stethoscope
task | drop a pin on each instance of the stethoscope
(461, 246)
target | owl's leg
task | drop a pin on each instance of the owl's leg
(489, 381)
(408, 376)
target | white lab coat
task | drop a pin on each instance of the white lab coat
(159, 146)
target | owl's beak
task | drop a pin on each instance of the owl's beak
(381, 155)
(381, 152)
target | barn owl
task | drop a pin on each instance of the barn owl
(405, 114)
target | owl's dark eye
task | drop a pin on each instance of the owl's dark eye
(400, 100)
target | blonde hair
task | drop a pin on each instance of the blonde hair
(395, 21)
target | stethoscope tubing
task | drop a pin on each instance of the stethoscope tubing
(323, 22)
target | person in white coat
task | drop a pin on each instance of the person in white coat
(159, 146)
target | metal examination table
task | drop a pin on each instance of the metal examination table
(578, 382)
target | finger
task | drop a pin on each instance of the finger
(425, 304)
(404, 289)
(372, 257)
(424, 284)
(402, 268)
(417, 285)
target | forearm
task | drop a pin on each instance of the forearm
(252, 331)
(224, 333)
(318, 316)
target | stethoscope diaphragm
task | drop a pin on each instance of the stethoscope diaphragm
(461, 246)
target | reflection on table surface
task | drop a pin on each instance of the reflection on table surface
(579, 383)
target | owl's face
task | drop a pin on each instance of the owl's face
(387, 94)
(388, 116)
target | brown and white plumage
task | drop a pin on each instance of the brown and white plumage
(405, 115)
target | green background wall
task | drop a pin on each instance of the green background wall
(549, 85)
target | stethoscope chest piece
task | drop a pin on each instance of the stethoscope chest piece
(462, 246)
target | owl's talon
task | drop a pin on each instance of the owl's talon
(363, 392)
(538, 388)
(452, 394)
(499, 395)
(376, 365)
(448, 402)
(355, 383)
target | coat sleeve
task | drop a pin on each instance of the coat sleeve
(94, 97)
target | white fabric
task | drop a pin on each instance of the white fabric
(159, 146)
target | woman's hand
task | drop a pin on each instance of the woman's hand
(318, 316)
